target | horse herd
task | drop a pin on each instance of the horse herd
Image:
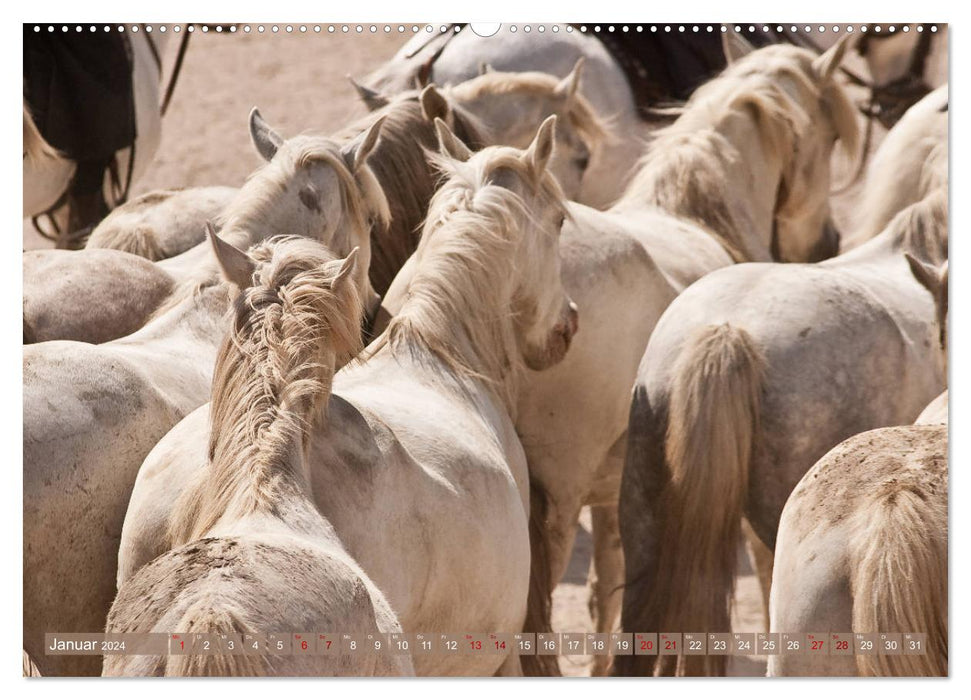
(371, 389)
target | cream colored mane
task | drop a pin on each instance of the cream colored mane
(921, 229)
(686, 170)
(245, 221)
(468, 262)
(399, 164)
(271, 377)
(591, 127)
(361, 196)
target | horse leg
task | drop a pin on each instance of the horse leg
(761, 558)
(552, 530)
(606, 579)
(510, 667)
(605, 582)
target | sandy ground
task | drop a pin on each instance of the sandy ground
(298, 82)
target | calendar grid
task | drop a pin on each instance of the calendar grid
(499, 643)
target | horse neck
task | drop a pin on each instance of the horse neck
(721, 176)
(457, 314)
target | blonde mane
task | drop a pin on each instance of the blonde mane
(272, 377)
(246, 221)
(591, 127)
(467, 266)
(922, 228)
(404, 174)
(687, 169)
(361, 196)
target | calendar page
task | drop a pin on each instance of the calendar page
(544, 349)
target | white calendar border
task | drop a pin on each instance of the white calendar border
(707, 11)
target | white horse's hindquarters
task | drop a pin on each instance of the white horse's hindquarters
(810, 591)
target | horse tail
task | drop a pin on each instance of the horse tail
(539, 601)
(35, 147)
(209, 617)
(713, 422)
(137, 240)
(899, 581)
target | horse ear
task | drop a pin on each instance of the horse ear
(567, 88)
(927, 275)
(449, 143)
(539, 151)
(357, 153)
(346, 271)
(825, 65)
(237, 267)
(433, 103)
(266, 140)
(372, 99)
(735, 46)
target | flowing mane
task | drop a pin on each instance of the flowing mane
(271, 379)
(459, 302)
(249, 219)
(246, 221)
(591, 127)
(399, 164)
(921, 228)
(687, 168)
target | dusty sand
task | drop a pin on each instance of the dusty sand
(298, 82)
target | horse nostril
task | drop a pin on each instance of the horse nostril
(582, 162)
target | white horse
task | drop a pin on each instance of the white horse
(60, 298)
(496, 109)
(910, 164)
(751, 375)
(297, 320)
(162, 223)
(298, 192)
(688, 211)
(419, 444)
(92, 413)
(862, 547)
(463, 55)
(868, 516)
(47, 174)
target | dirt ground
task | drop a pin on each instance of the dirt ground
(299, 83)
